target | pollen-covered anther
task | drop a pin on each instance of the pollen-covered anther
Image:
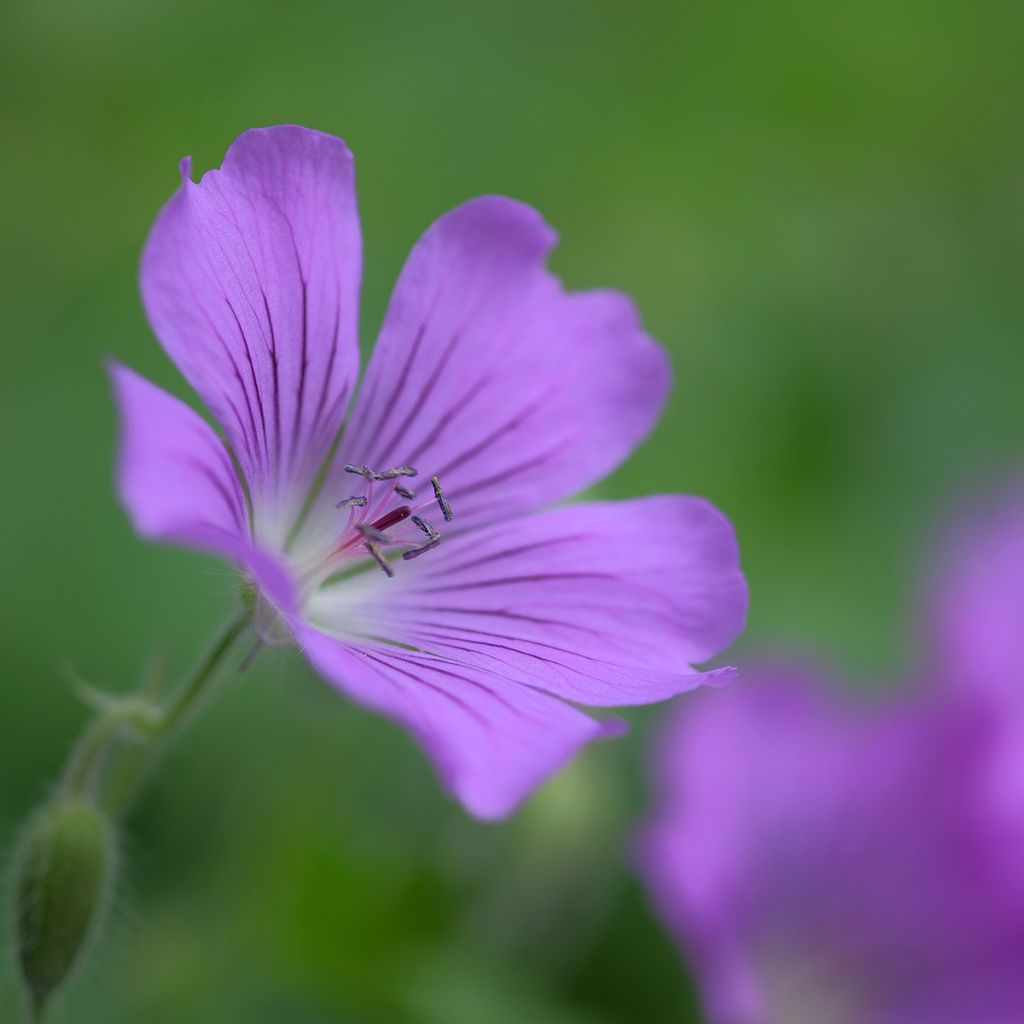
(442, 501)
(378, 556)
(354, 502)
(404, 492)
(433, 539)
(431, 533)
(422, 549)
(387, 474)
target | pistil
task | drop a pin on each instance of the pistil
(373, 518)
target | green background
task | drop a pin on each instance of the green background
(818, 209)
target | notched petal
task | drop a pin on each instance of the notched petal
(250, 278)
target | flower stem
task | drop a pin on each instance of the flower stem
(81, 776)
(191, 694)
(148, 725)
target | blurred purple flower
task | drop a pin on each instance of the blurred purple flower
(497, 386)
(822, 860)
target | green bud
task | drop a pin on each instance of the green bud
(63, 876)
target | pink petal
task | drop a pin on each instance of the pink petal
(603, 604)
(488, 374)
(490, 741)
(977, 624)
(836, 846)
(176, 480)
(978, 603)
(251, 282)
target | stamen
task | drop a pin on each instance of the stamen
(378, 519)
(372, 474)
(408, 556)
(446, 509)
(371, 533)
(379, 558)
(431, 533)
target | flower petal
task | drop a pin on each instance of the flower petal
(490, 741)
(176, 480)
(488, 374)
(977, 620)
(821, 857)
(251, 282)
(174, 474)
(978, 605)
(602, 604)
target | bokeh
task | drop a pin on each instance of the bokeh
(817, 207)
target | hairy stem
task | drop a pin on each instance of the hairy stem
(146, 725)
(192, 693)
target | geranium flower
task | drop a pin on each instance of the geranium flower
(396, 537)
(826, 860)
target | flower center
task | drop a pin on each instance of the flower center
(386, 517)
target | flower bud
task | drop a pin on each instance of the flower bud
(62, 880)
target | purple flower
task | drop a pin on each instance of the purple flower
(822, 859)
(404, 551)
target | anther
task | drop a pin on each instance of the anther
(431, 533)
(403, 492)
(356, 502)
(379, 558)
(446, 509)
(372, 474)
(408, 556)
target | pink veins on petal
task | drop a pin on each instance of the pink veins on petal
(401, 533)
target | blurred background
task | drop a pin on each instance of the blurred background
(818, 208)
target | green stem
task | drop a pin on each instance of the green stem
(150, 727)
(191, 694)
(86, 762)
